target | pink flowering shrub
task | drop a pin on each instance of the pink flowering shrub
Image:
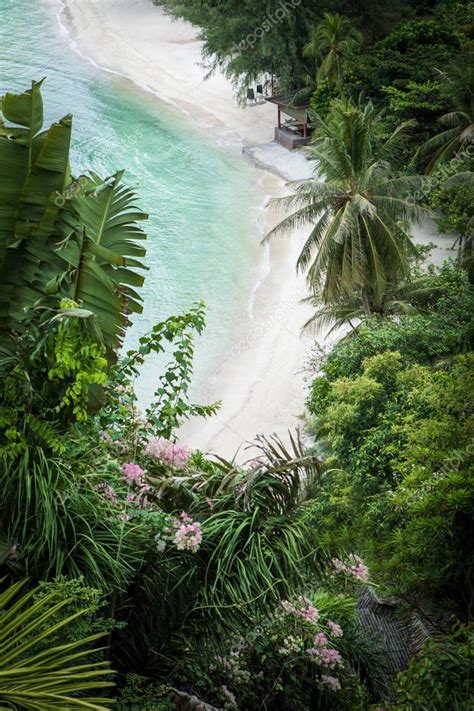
(134, 497)
(354, 567)
(133, 473)
(130, 492)
(291, 659)
(335, 629)
(322, 654)
(167, 453)
(181, 531)
(304, 609)
(188, 534)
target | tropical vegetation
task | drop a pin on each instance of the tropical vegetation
(331, 45)
(138, 574)
(357, 207)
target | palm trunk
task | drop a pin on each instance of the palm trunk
(367, 306)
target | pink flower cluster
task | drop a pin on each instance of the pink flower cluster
(322, 654)
(306, 610)
(188, 534)
(166, 452)
(335, 629)
(133, 473)
(107, 491)
(134, 476)
(354, 567)
(331, 681)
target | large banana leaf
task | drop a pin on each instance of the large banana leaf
(34, 170)
(59, 236)
(40, 677)
(100, 247)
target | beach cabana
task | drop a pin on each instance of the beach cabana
(293, 127)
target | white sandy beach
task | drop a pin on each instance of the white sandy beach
(260, 381)
(137, 39)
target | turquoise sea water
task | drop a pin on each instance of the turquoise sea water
(203, 242)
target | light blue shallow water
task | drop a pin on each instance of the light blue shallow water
(203, 210)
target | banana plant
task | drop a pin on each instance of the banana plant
(100, 249)
(61, 236)
(39, 676)
(34, 169)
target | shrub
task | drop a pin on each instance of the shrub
(256, 547)
(443, 326)
(307, 653)
(440, 677)
(399, 482)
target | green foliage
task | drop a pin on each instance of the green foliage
(170, 405)
(453, 200)
(77, 361)
(52, 505)
(37, 673)
(408, 54)
(258, 511)
(440, 677)
(401, 72)
(457, 124)
(445, 327)
(332, 43)
(357, 208)
(50, 508)
(398, 437)
(49, 380)
(89, 602)
(253, 41)
(256, 547)
(322, 97)
(59, 236)
(267, 663)
(141, 694)
(61, 523)
(419, 101)
(248, 41)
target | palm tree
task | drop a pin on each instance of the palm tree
(333, 40)
(458, 134)
(408, 297)
(359, 210)
(38, 673)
